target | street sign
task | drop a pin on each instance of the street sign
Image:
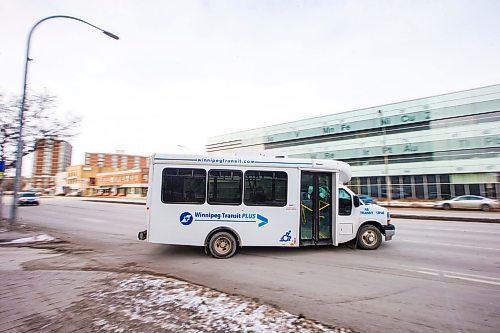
(2, 168)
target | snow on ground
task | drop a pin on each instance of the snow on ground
(33, 239)
(149, 303)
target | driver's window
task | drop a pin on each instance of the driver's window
(345, 202)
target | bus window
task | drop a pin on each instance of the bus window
(345, 202)
(183, 185)
(224, 187)
(266, 188)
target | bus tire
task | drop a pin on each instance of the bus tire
(222, 245)
(369, 237)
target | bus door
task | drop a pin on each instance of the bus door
(315, 208)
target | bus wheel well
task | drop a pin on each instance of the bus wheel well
(375, 224)
(227, 229)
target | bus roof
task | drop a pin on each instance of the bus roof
(261, 160)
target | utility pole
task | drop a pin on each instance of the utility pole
(19, 154)
(2, 170)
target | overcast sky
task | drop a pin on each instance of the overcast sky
(183, 71)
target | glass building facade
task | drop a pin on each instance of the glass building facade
(428, 148)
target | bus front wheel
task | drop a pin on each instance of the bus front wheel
(222, 245)
(369, 238)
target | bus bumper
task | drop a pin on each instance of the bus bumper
(389, 231)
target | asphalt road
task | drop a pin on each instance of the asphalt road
(432, 277)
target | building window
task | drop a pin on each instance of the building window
(225, 187)
(181, 185)
(114, 161)
(266, 188)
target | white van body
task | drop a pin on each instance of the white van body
(276, 202)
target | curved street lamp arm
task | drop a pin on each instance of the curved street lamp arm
(67, 17)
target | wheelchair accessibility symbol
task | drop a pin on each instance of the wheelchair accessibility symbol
(286, 237)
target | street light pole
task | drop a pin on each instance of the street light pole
(386, 159)
(19, 154)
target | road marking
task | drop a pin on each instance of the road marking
(90, 219)
(466, 274)
(424, 272)
(450, 244)
(473, 280)
(455, 275)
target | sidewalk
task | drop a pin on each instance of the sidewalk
(38, 297)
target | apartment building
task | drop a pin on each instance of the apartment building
(51, 156)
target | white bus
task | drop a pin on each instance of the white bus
(226, 202)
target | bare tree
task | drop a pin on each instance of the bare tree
(40, 122)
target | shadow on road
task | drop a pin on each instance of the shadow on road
(198, 252)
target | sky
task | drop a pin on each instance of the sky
(184, 71)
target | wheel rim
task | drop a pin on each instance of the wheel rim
(222, 245)
(370, 238)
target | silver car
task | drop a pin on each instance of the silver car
(469, 202)
(28, 198)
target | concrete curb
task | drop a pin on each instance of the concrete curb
(396, 215)
(445, 218)
(117, 201)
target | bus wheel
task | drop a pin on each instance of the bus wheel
(222, 245)
(369, 238)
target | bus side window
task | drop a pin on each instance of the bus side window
(182, 185)
(225, 187)
(265, 188)
(345, 203)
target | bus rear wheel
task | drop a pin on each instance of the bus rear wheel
(222, 245)
(369, 238)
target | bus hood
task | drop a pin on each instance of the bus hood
(374, 212)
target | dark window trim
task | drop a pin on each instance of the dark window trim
(163, 199)
(273, 189)
(225, 203)
(350, 199)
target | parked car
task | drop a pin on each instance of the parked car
(367, 199)
(28, 198)
(469, 202)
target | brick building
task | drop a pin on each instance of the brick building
(133, 183)
(51, 157)
(116, 161)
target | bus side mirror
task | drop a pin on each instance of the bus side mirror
(356, 201)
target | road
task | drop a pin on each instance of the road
(432, 277)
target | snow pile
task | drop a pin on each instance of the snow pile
(33, 239)
(166, 304)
